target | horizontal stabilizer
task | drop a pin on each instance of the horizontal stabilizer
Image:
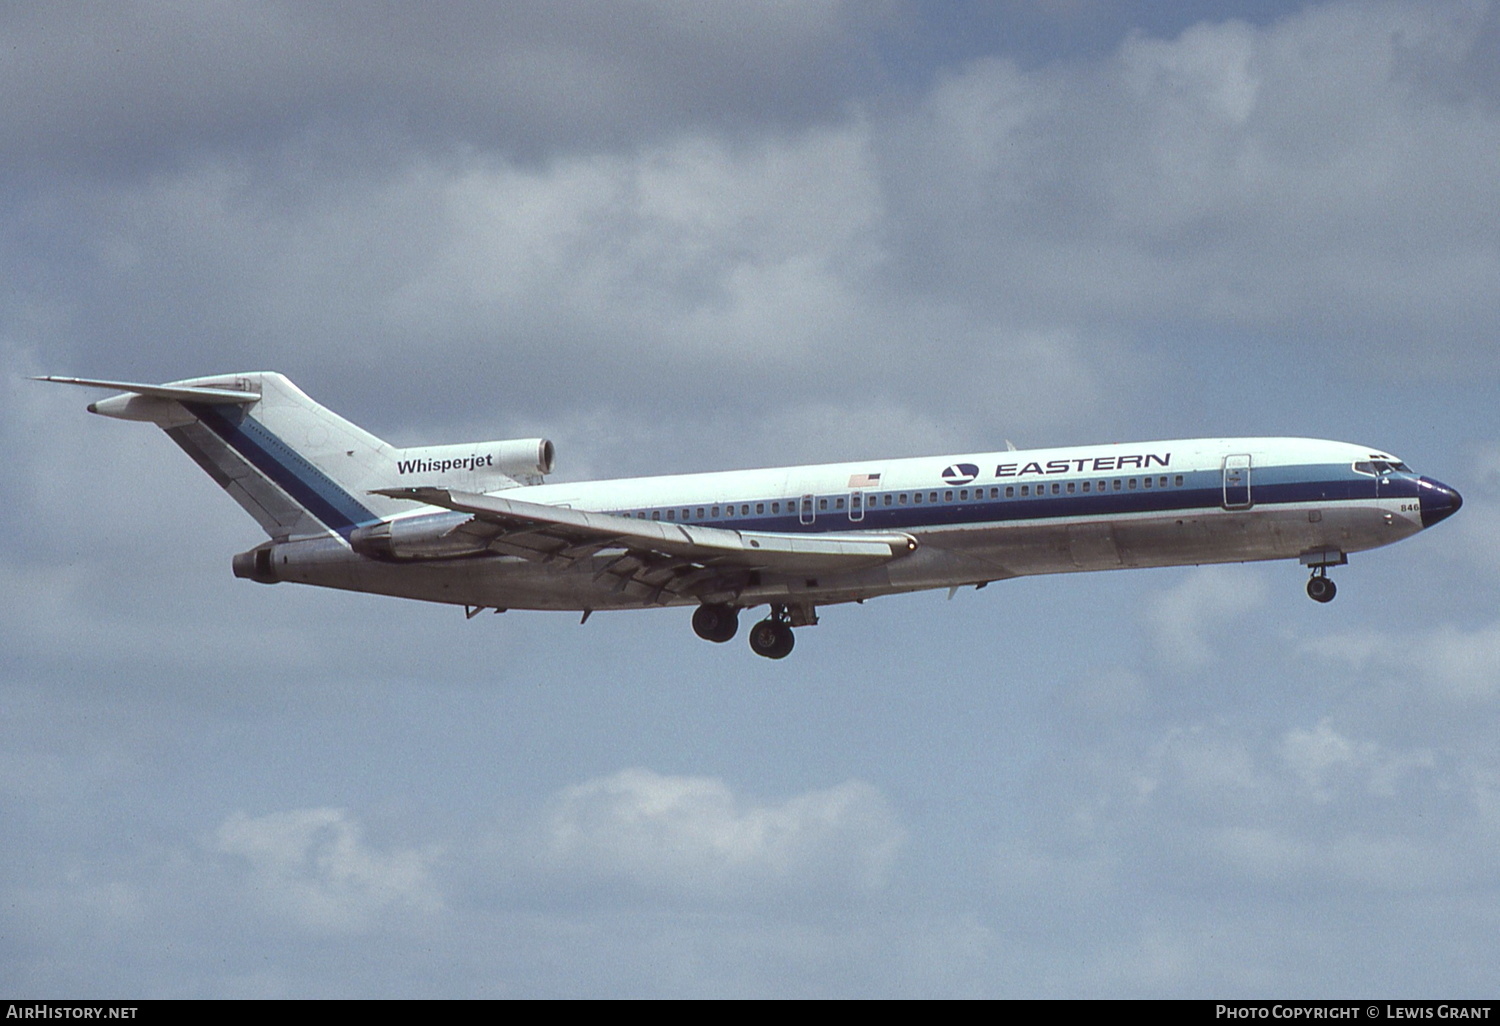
(180, 393)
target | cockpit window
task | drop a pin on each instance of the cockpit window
(1373, 467)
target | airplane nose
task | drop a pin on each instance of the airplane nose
(1439, 502)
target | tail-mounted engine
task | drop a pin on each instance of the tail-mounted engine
(474, 466)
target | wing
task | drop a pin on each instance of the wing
(667, 558)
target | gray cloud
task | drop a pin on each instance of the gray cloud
(140, 89)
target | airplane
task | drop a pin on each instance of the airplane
(476, 525)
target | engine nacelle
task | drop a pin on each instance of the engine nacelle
(416, 538)
(475, 466)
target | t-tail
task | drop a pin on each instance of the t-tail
(297, 467)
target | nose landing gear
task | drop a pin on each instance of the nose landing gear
(1320, 587)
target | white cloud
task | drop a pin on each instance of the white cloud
(695, 834)
(1324, 759)
(1447, 664)
(313, 866)
(1191, 620)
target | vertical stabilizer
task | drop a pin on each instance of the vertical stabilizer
(298, 468)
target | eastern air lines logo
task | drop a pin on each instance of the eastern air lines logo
(960, 473)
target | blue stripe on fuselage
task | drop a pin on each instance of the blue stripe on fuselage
(1200, 491)
(308, 486)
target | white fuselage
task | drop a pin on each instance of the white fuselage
(976, 518)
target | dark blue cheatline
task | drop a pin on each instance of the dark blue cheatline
(308, 486)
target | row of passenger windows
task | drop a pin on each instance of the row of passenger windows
(857, 501)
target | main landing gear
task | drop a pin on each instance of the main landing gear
(772, 637)
(715, 622)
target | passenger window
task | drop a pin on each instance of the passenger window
(1056, 488)
(671, 514)
(917, 498)
(1010, 491)
(887, 498)
(1178, 481)
(948, 496)
(760, 507)
(1146, 482)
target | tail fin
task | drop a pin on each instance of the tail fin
(298, 468)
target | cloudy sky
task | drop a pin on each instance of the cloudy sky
(681, 236)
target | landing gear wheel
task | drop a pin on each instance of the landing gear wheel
(771, 639)
(716, 622)
(1321, 589)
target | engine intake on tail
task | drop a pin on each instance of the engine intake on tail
(477, 466)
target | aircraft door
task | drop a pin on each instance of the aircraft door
(805, 513)
(856, 506)
(1237, 482)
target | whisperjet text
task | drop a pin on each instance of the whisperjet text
(1084, 465)
(443, 466)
